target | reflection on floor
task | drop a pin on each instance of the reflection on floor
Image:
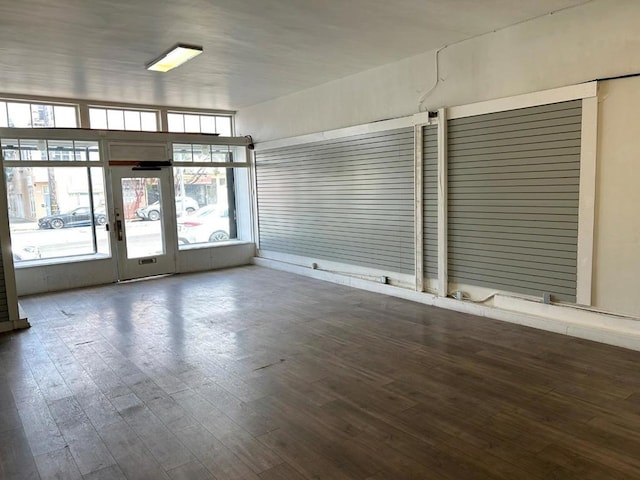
(257, 374)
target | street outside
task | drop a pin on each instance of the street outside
(143, 239)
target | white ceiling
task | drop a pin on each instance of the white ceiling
(254, 50)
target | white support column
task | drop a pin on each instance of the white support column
(163, 120)
(7, 262)
(83, 112)
(443, 281)
(419, 206)
(253, 192)
(587, 205)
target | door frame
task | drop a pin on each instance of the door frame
(146, 266)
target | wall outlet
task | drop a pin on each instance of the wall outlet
(546, 298)
(458, 295)
(384, 280)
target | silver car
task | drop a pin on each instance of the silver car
(152, 212)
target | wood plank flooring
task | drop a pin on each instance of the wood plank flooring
(255, 374)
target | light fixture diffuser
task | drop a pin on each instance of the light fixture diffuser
(174, 58)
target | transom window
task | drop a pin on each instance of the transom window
(195, 123)
(49, 150)
(183, 152)
(121, 119)
(37, 115)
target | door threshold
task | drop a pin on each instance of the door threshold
(142, 279)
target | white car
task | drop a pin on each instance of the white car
(206, 225)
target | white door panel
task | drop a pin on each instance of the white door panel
(146, 241)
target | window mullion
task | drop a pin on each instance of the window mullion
(92, 211)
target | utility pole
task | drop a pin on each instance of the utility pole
(53, 197)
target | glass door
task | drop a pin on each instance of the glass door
(145, 234)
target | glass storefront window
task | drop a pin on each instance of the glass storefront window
(50, 212)
(211, 191)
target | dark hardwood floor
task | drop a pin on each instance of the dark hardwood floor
(256, 374)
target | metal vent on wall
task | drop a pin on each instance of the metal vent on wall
(513, 184)
(348, 200)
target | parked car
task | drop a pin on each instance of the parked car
(207, 224)
(152, 212)
(78, 217)
(25, 253)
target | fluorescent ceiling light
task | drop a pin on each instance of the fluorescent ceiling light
(174, 58)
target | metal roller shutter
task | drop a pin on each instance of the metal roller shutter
(348, 200)
(513, 184)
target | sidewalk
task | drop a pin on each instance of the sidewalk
(19, 224)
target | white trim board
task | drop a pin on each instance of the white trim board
(418, 204)
(14, 325)
(123, 136)
(587, 200)
(328, 266)
(544, 97)
(382, 126)
(9, 278)
(611, 330)
(443, 205)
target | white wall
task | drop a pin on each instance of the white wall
(65, 276)
(617, 239)
(213, 258)
(599, 39)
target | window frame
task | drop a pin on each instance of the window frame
(83, 118)
(75, 135)
(200, 114)
(124, 110)
(31, 103)
(230, 185)
(93, 210)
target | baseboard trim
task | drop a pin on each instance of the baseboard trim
(617, 331)
(14, 325)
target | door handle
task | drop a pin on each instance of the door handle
(119, 229)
